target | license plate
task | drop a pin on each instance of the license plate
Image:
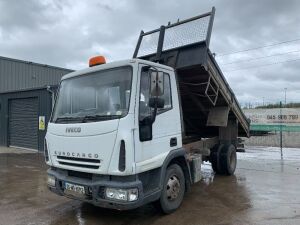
(74, 189)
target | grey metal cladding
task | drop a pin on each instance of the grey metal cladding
(21, 75)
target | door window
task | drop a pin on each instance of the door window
(167, 94)
(144, 109)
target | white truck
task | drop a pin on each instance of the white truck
(127, 133)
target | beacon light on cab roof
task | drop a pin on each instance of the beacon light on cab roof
(97, 60)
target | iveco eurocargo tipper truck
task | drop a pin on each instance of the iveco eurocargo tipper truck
(128, 133)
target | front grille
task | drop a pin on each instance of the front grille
(79, 165)
(79, 162)
(79, 159)
(77, 174)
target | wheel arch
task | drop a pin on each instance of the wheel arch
(177, 156)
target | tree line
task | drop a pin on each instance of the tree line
(277, 105)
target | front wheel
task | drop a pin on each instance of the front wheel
(173, 189)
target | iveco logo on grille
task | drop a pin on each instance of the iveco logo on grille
(73, 130)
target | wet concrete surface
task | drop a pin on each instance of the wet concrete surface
(264, 190)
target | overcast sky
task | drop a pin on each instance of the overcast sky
(67, 33)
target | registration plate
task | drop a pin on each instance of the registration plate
(74, 189)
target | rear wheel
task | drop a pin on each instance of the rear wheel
(228, 159)
(173, 189)
(215, 158)
(223, 159)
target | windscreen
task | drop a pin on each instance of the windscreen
(102, 95)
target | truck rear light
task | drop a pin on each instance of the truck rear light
(122, 157)
(46, 154)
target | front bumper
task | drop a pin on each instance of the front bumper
(95, 187)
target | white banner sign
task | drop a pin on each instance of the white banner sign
(285, 119)
(274, 116)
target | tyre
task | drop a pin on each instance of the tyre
(228, 160)
(173, 189)
(215, 158)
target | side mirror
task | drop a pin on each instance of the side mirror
(159, 102)
(157, 83)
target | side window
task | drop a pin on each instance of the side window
(167, 96)
(144, 109)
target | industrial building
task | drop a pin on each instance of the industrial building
(27, 92)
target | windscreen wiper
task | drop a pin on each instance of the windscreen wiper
(100, 117)
(67, 119)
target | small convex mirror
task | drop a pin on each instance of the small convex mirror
(157, 83)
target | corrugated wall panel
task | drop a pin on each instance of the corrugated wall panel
(19, 75)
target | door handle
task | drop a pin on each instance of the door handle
(173, 142)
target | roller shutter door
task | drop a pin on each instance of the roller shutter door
(23, 123)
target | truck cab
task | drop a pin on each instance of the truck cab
(101, 133)
(127, 133)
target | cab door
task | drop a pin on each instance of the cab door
(154, 141)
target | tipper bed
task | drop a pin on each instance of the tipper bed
(207, 101)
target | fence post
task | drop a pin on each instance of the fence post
(281, 128)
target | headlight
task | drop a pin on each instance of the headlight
(51, 181)
(122, 194)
